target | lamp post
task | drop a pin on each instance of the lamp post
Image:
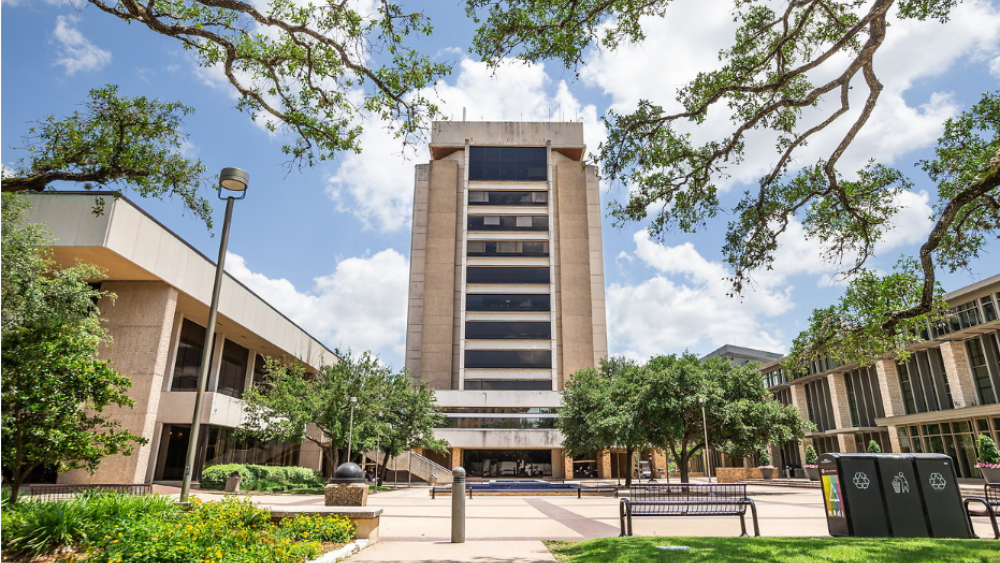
(235, 182)
(350, 431)
(704, 425)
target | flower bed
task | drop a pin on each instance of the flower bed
(232, 530)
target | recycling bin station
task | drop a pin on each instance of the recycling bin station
(893, 495)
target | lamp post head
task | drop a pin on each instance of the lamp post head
(234, 180)
(353, 400)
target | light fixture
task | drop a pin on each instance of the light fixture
(234, 181)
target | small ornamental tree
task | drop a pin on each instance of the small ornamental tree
(765, 459)
(55, 390)
(812, 459)
(989, 457)
(873, 447)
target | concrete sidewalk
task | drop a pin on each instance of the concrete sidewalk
(414, 528)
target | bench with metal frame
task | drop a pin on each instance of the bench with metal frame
(686, 499)
(991, 503)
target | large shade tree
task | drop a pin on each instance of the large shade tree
(659, 404)
(125, 143)
(602, 408)
(740, 414)
(55, 389)
(317, 69)
(794, 73)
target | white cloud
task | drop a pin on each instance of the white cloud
(687, 40)
(76, 52)
(684, 305)
(361, 305)
(377, 185)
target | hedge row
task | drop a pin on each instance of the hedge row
(261, 477)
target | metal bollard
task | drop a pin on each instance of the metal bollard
(458, 505)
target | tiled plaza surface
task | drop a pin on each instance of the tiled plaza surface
(415, 528)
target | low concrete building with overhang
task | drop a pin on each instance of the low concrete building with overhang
(163, 287)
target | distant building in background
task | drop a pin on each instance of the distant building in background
(506, 289)
(163, 287)
(740, 355)
(937, 401)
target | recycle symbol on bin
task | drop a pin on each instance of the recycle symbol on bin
(936, 480)
(861, 480)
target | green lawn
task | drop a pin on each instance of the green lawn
(777, 550)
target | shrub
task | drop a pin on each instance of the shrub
(232, 530)
(874, 448)
(812, 458)
(261, 477)
(336, 529)
(988, 454)
(39, 527)
(765, 458)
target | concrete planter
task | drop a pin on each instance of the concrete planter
(992, 475)
(767, 472)
(812, 473)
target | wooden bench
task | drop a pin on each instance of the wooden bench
(597, 490)
(685, 499)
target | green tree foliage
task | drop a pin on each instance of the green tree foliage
(812, 458)
(988, 453)
(767, 84)
(311, 67)
(406, 420)
(602, 408)
(874, 448)
(292, 404)
(128, 143)
(741, 415)
(657, 404)
(54, 388)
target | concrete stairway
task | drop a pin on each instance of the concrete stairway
(417, 465)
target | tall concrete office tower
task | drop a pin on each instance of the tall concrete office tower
(506, 288)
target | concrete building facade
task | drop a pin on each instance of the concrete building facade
(506, 293)
(937, 401)
(157, 321)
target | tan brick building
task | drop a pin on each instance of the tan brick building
(157, 322)
(506, 288)
(937, 401)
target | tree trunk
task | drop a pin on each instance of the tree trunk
(383, 469)
(685, 459)
(331, 458)
(628, 475)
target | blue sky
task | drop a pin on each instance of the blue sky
(329, 245)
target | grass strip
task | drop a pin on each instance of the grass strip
(776, 550)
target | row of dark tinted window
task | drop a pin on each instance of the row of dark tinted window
(508, 223)
(504, 274)
(508, 164)
(232, 371)
(508, 359)
(477, 330)
(509, 198)
(508, 385)
(506, 302)
(517, 423)
(508, 248)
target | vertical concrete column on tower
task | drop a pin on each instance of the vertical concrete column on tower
(847, 443)
(140, 319)
(456, 458)
(838, 400)
(959, 373)
(604, 464)
(888, 383)
(799, 400)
